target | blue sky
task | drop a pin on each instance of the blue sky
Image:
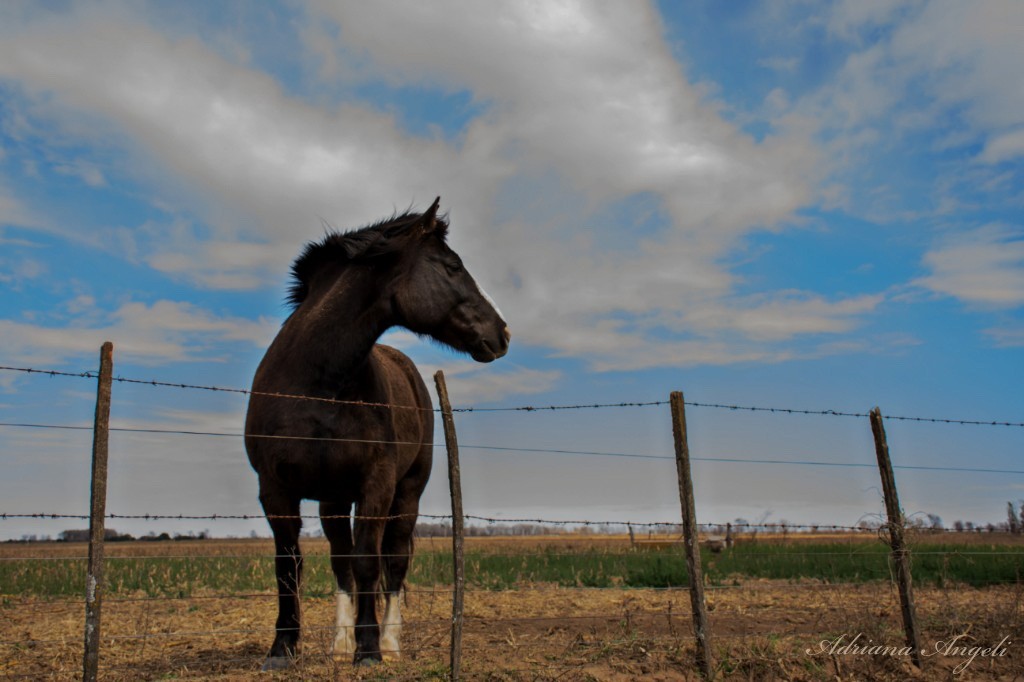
(775, 204)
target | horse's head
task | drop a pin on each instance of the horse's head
(414, 278)
(434, 294)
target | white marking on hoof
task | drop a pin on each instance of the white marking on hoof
(391, 629)
(345, 635)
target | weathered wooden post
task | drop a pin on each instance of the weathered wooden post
(701, 626)
(900, 554)
(97, 513)
(455, 486)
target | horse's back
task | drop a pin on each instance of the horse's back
(404, 379)
(413, 412)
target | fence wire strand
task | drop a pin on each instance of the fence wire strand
(476, 622)
(518, 408)
(672, 527)
(551, 451)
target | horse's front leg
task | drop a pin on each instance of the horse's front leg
(283, 516)
(334, 517)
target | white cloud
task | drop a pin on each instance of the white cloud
(1007, 336)
(14, 212)
(259, 165)
(471, 383)
(16, 272)
(851, 17)
(85, 171)
(221, 264)
(158, 333)
(984, 267)
(972, 54)
(588, 107)
(583, 107)
(956, 55)
(942, 72)
(962, 58)
(593, 92)
(1003, 147)
(178, 419)
(784, 315)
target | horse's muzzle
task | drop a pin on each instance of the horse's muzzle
(489, 351)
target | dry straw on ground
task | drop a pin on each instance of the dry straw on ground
(762, 630)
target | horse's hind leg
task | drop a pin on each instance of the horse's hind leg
(334, 517)
(283, 517)
(396, 551)
(371, 511)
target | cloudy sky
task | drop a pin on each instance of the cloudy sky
(781, 204)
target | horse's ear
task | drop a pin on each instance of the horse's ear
(430, 217)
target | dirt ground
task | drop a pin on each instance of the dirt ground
(760, 630)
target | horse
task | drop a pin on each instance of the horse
(336, 417)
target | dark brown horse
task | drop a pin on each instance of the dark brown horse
(348, 289)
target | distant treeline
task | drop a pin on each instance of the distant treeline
(444, 530)
(111, 535)
(919, 522)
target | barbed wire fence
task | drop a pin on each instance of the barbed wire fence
(690, 583)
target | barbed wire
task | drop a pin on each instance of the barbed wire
(496, 448)
(775, 528)
(519, 408)
(217, 517)
(250, 392)
(488, 620)
(215, 389)
(739, 460)
(488, 520)
(556, 408)
(625, 553)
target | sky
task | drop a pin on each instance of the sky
(814, 206)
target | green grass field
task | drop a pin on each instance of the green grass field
(250, 569)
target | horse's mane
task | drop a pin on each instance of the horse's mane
(352, 246)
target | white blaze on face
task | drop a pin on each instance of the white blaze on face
(391, 628)
(345, 635)
(487, 298)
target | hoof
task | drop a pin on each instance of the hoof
(276, 663)
(367, 662)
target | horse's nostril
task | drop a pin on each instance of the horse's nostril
(508, 335)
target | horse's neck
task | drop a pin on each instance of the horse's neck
(338, 332)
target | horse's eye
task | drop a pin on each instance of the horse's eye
(453, 267)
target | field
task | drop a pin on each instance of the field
(559, 607)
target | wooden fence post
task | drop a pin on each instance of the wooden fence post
(455, 486)
(691, 541)
(900, 554)
(97, 513)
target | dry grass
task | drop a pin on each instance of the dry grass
(760, 629)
